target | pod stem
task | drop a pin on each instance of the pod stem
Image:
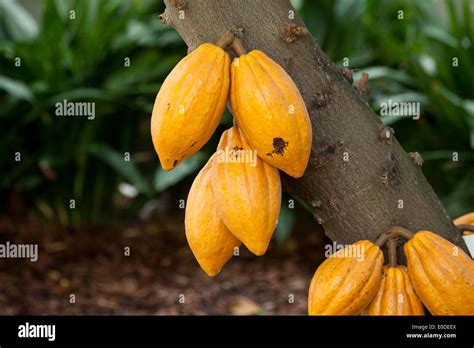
(225, 40)
(393, 231)
(384, 237)
(465, 227)
(392, 252)
(400, 232)
(238, 47)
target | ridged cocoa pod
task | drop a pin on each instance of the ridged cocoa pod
(396, 295)
(270, 112)
(347, 281)
(441, 273)
(190, 104)
(247, 191)
(210, 240)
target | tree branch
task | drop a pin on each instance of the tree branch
(357, 185)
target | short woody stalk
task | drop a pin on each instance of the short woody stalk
(225, 40)
(238, 47)
(392, 252)
(397, 231)
(465, 228)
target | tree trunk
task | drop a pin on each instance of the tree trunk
(359, 180)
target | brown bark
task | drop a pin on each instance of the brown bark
(354, 199)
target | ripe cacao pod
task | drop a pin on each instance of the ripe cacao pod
(347, 281)
(190, 104)
(270, 112)
(396, 295)
(210, 240)
(247, 191)
(466, 219)
(441, 273)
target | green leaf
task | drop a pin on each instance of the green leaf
(63, 7)
(149, 34)
(428, 64)
(403, 98)
(349, 8)
(164, 179)
(445, 155)
(29, 182)
(125, 168)
(461, 197)
(297, 4)
(286, 222)
(19, 23)
(15, 88)
(142, 69)
(378, 72)
(80, 94)
(441, 35)
(453, 98)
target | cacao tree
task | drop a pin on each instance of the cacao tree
(359, 180)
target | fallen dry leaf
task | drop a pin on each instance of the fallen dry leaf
(244, 306)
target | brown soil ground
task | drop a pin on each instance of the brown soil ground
(90, 264)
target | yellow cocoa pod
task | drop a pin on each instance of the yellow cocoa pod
(247, 191)
(270, 112)
(396, 295)
(466, 219)
(210, 240)
(190, 104)
(347, 281)
(441, 273)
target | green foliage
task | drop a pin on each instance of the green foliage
(286, 221)
(79, 53)
(83, 59)
(164, 179)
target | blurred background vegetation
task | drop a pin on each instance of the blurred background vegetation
(84, 59)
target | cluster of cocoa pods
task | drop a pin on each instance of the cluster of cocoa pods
(236, 196)
(354, 281)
